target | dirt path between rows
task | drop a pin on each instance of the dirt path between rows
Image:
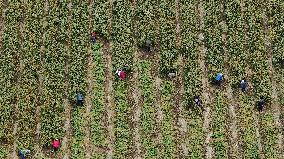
(38, 148)
(205, 84)
(109, 102)
(89, 92)
(274, 93)
(18, 85)
(157, 85)
(109, 96)
(249, 75)
(67, 113)
(136, 95)
(182, 124)
(232, 104)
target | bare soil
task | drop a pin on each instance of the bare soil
(66, 104)
(18, 84)
(182, 124)
(109, 103)
(89, 92)
(205, 84)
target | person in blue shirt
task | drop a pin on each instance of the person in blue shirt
(23, 153)
(243, 85)
(219, 78)
(80, 99)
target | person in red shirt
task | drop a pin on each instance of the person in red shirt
(55, 144)
(120, 74)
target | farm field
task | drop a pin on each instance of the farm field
(47, 56)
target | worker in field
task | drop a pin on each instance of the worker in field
(243, 85)
(55, 145)
(261, 103)
(93, 37)
(148, 45)
(197, 101)
(120, 74)
(23, 153)
(79, 98)
(219, 78)
(172, 73)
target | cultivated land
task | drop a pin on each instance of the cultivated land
(46, 55)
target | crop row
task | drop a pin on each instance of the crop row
(189, 35)
(3, 152)
(215, 63)
(9, 48)
(148, 116)
(167, 125)
(53, 75)
(122, 55)
(101, 18)
(98, 128)
(30, 61)
(146, 17)
(6, 87)
(168, 60)
(77, 72)
(277, 16)
(236, 46)
(261, 80)
(98, 111)
(168, 48)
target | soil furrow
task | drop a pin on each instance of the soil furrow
(232, 104)
(182, 124)
(40, 87)
(67, 105)
(205, 84)
(90, 85)
(109, 100)
(18, 85)
(136, 95)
